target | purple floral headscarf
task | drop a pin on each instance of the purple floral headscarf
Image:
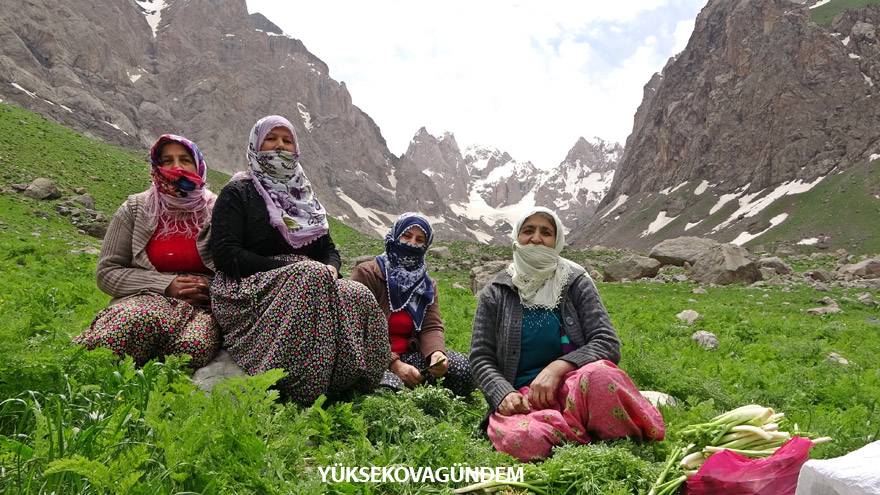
(294, 210)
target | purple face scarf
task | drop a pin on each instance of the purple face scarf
(409, 286)
(294, 210)
(181, 205)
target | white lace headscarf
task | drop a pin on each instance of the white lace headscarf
(539, 272)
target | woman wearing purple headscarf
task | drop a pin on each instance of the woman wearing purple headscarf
(156, 264)
(278, 296)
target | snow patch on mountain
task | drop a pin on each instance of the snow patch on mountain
(617, 204)
(749, 208)
(153, 12)
(745, 237)
(661, 221)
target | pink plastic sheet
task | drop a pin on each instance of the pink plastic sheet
(733, 474)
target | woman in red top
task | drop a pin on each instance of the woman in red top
(408, 297)
(156, 264)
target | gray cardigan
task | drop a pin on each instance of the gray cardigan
(495, 342)
(124, 269)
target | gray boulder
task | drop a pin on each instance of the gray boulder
(85, 199)
(42, 189)
(830, 307)
(725, 264)
(440, 252)
(819, 275)
(776, 264)
(679, 250)
(632, 267)
(869, 268)
(220, 368)
(483, 274)
(688, 316)
(706, 340)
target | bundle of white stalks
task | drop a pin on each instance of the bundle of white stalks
(752, 431)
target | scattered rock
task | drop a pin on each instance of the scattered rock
(41, 214)
(775, 264)
(483, 274)
(699, 290)
(659, 398)
(42, 189)
(818, 274)
(440, 252)
(472, 249)
(363, 259)
(457, 285)
(681, 277)
(767, 273)
(706, 340)
(84, 199)
(866, 299)
(87, 250)
(837, 359)
(19, 187)
(821, 287)
(725, 264)
(221, 367)
(679, 250)
(96, 230)
(688, 316)
(632, 267)
(830, 307)
(869, 268)
(79, 190)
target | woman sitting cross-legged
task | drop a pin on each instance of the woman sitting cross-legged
(543, 352)
(399, 280)
(156, 264)
(276, 295)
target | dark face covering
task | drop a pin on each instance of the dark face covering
(403, 265)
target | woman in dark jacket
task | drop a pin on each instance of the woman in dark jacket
(543, 352)
(277, 295)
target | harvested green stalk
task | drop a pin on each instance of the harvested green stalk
(752, 431)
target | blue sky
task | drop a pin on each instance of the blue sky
(529, 78)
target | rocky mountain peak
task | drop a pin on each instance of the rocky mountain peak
(739, 105)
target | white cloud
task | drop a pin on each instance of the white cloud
(526, 77)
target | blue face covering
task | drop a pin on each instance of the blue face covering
(403, 265)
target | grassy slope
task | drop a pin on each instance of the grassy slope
(146, 432)
(825, 14)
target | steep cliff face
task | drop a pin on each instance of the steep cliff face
(760, 95)
(761, 102)
(128, 71)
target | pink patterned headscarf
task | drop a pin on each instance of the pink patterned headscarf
(180, 201)
(294, 210)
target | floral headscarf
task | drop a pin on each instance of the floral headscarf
(178, 198)
(294, 210)
(403, 265)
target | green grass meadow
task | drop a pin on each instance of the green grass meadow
(73, 421)
(824, 14)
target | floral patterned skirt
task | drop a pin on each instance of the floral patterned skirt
(147, 326)
(328, 335)
(598, 400)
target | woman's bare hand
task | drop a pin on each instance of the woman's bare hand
(408, 373)
(193, 289)
(514, 403)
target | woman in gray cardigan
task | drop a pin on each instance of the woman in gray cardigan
(156, 265)
(544, 353)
